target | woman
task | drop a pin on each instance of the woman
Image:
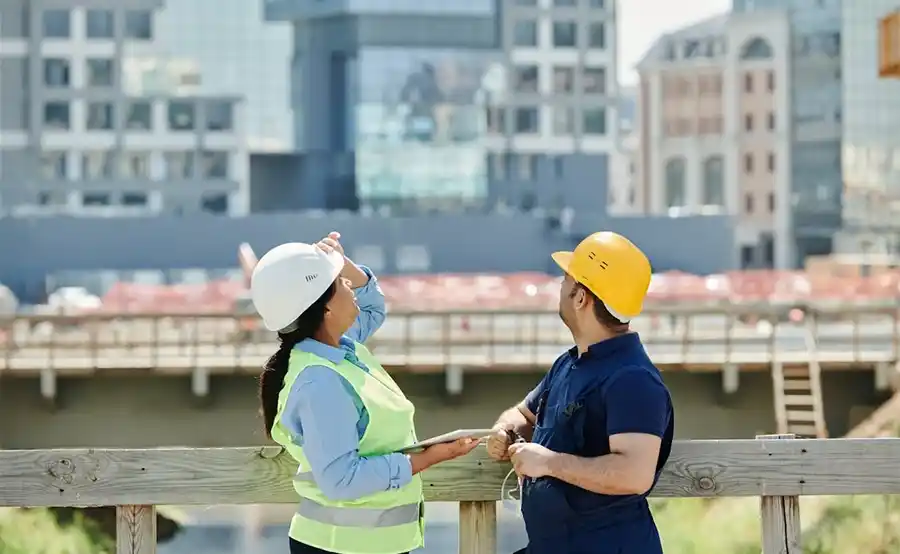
(335, 409)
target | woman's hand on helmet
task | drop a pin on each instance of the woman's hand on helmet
(331, 243)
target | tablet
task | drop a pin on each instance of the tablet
(449, 437)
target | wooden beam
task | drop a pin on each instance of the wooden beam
(477, 527)
(135, 529)
(262, 475)
(780, 518)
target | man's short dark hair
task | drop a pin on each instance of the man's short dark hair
(602, 313)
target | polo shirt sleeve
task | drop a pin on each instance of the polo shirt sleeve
(637, 402)
(533, 397)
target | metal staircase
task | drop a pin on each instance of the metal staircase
(798, 392)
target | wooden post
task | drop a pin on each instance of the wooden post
(477, 527)
(135, 529)
(780, 518)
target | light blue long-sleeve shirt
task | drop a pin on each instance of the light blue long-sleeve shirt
(326, 416)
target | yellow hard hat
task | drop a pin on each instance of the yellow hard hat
(612, 268)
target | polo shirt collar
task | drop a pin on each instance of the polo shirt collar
(606, 348)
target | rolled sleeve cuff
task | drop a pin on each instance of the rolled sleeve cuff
(400, 470)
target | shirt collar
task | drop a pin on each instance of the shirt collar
(606, 348)
(330, 353)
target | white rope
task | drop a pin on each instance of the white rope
(512, 498)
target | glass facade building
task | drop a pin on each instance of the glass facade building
(419, 126)
(816, 85)
(871, 140)
(223, 47)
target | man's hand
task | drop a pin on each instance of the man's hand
(498, 445)
(530, 459)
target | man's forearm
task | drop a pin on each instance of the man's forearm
(515, 420)
(613, 474)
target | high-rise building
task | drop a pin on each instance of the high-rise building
(623, 161)
(715, 129)
(871, 162)
(815, 178)
(226, 48)
(75, 139)
(471, 104)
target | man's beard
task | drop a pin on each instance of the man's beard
(564, 319)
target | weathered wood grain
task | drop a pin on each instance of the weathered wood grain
(478, 527)
(780, 517)
(259, 475)
(135, 529)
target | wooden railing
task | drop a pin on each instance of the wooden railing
(777, 470)
(701, 337)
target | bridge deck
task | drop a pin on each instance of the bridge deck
(420, 342)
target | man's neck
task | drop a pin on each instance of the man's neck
(591, 337)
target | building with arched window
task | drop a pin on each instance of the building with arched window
(816, 116)
(715, 129)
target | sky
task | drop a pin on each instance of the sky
(642, 21)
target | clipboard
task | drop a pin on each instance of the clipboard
(449, 437)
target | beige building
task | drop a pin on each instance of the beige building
(714, 129)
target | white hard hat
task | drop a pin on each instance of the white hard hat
(288, 279)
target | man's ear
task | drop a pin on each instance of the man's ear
(581, 297)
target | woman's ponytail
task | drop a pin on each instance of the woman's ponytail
(271, 380)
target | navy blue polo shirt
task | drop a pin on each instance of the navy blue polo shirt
(612, 388)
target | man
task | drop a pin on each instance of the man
(600, 422)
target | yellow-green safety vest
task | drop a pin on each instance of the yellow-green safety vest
(387, 522)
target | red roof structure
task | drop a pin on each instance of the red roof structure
(525, 291)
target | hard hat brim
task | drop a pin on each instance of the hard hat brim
(562, 259)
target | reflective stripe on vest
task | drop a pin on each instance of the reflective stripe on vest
(359, 517)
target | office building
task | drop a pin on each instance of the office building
(623, 161)
(76, 135)
(871, 142)
(715, 129)
(815, 178)
(468, 105)
(226, 48)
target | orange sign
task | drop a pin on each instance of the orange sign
(889, 46)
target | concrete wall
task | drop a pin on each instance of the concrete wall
(146, 411)
(32, 248)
